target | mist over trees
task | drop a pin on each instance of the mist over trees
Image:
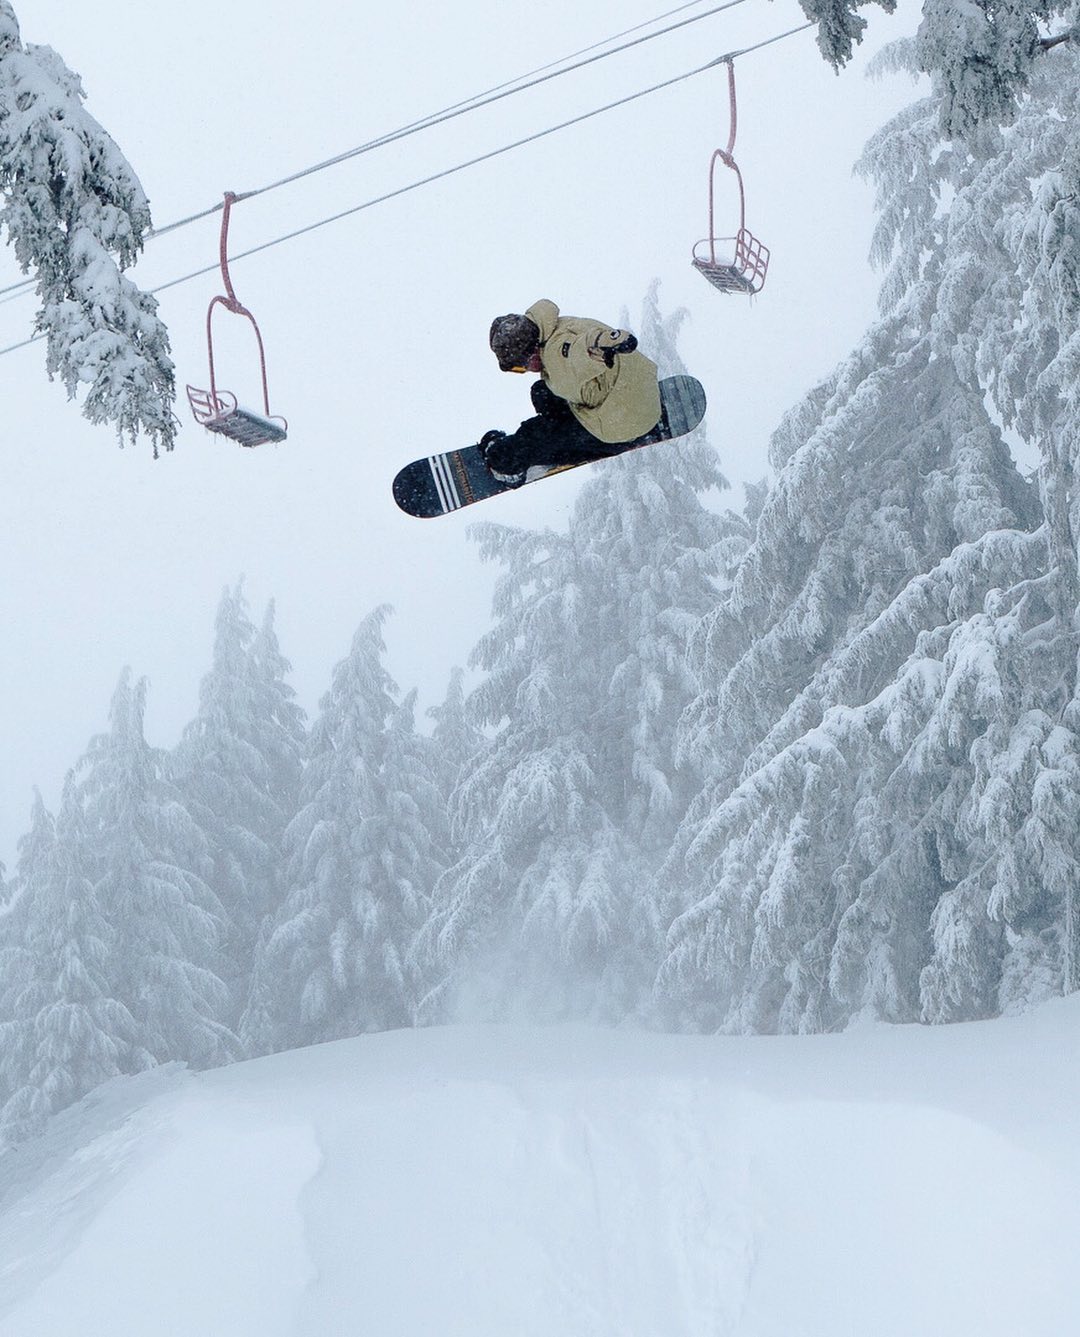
(763, 769)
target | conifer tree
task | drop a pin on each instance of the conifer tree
(982, 54)
(417, 845)
(999, 291)
(64, 1031)
(165, 958)
(284, 727)
(456, 747)
(455, 738)
(1005, 310)
(888, 469)
(535, 898)
(890, 826)
(362, 859)
(35, 852)
(237, 768)
(77, 216)
(282, 739)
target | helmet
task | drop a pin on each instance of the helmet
(513, 340)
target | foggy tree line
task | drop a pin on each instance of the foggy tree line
(272, 881)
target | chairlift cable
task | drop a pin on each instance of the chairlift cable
(518, 84)
(506, 89)
(485, 157)
(482, 100)
(659, 18)
(459, 167)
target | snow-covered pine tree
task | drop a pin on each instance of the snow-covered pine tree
(960, 768)
(76, 215)
(64, 1032)
(456, 745)
(569, 807)
(840, 25)
(164, 961)
(981, 54)
(895, 513)
(237, 769)
(282, 739)
(809, 688)
(536, 908)
(998, 699)
(417, 845)
(284, 731)
(362, 861)
(1006, 310)
(35, 851)
(455, 737)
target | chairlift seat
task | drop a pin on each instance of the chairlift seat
(745, 273)
(221, 413)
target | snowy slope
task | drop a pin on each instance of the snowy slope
(578, 1183)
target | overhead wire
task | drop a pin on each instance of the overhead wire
(519, 84)
(462, 166)
(483, 157)
(573, 55)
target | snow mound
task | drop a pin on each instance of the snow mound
(513, 1182)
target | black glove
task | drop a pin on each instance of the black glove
(605, 346)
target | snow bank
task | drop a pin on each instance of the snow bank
(474, 1183)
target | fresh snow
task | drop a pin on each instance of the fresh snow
(570, 1182)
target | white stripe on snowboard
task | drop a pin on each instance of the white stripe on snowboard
(444, 483)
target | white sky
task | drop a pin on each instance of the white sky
(376, 326)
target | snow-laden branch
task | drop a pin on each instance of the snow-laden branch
(76, 217)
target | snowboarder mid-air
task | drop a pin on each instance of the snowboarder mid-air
(596, 392)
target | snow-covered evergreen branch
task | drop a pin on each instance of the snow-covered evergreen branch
(77, 217)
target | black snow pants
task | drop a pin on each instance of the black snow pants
(553, 437)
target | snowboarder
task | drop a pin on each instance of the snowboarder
(596, 392)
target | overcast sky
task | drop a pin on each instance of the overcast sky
(376, 325)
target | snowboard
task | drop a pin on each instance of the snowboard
(440, 484)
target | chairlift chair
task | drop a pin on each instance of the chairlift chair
(743, 261)
(218, 410)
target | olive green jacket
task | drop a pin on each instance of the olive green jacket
(617, 403)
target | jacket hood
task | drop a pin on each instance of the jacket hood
(545, 315)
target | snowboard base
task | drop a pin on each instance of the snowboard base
(440, 484)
